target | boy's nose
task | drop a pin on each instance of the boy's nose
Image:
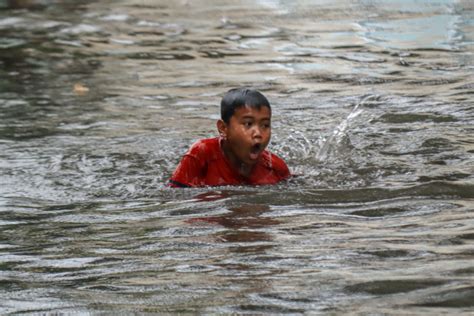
(257, 132)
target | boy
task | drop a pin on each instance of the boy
(238, 155)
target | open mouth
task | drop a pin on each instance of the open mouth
(255, 151)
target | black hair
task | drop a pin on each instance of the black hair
(236, 98)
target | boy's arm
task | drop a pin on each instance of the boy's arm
(281, 167)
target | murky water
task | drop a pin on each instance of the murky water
(373, 110)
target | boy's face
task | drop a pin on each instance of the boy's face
(247, 134)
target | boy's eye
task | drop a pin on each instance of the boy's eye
(248, 124)
(265, 125)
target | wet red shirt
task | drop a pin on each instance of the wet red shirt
(205, 164)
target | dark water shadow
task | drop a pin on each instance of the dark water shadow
(386, 287)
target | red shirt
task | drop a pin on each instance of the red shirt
(205, 164)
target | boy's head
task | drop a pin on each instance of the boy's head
(245, 126)
(240, 97)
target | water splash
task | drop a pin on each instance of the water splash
(301, 142)
(338, 137)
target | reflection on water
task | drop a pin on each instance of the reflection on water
(372, 111)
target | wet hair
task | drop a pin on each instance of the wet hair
(236, 98)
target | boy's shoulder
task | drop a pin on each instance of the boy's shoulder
(274, 162)
(204, 147)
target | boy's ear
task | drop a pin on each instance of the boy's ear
(222, 128)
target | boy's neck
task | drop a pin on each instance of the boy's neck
(242, 169)
(245, 170)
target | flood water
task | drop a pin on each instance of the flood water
(372, 109)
